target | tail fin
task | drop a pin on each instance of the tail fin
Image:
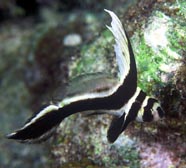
(40, 126)
(116, 128)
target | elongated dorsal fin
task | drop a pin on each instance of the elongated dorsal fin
(121, 46)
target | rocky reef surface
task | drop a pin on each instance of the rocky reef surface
(60, 48)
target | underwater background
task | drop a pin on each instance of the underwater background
(45, 45)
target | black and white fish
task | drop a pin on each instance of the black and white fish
(125, 100)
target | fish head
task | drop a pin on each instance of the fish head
(157, 112)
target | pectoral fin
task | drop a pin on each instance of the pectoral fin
(115, 128)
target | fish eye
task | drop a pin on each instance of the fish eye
(160, 112)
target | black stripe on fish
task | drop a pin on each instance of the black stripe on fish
(43, 123)
(136, 106)
(121, 125)
(141, 97)
(147, 113)
(53, 118)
